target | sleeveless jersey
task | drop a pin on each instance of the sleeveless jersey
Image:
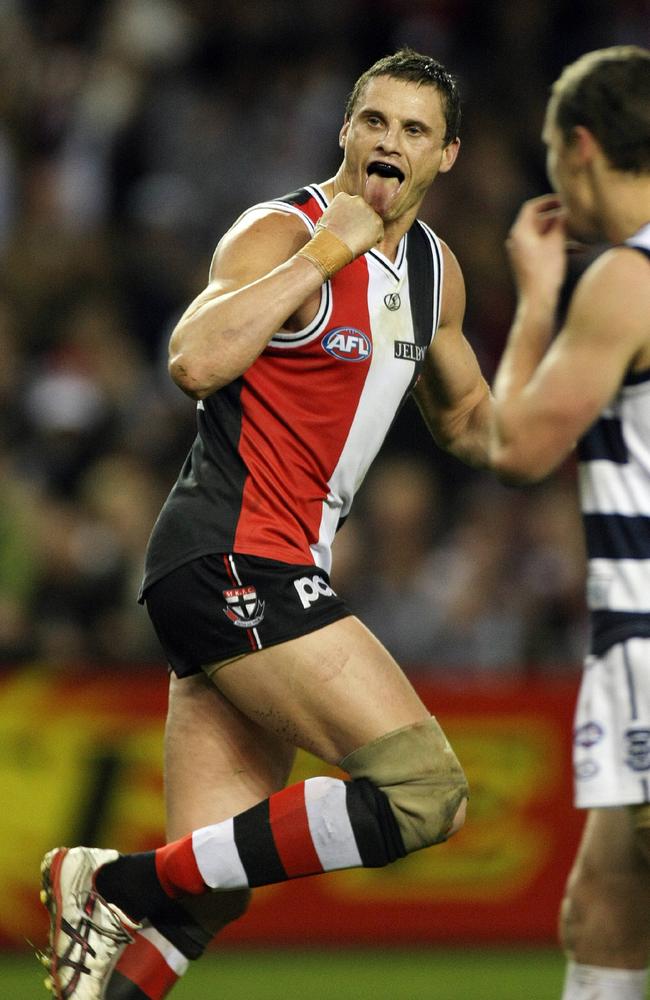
(281, 450)
(614, 479)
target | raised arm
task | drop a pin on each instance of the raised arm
(452, 394)
(264, 270)
(549, 391)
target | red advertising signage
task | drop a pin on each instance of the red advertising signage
(81, 763)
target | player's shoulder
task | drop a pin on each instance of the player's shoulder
(621, 273)
(265, 233)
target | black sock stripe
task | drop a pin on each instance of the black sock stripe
(180, 928)
(256, 846)
(132, 883)
(121, 988)
(375, 828)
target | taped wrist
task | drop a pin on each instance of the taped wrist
(327, 252)
(421, 777)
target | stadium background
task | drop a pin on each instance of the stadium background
(132, 133)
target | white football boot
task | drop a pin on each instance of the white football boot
(87, 934)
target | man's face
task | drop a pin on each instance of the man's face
(566, 167)
(394, 144)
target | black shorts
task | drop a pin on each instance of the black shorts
(221, 606)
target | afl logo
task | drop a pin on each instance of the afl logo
(347, 344)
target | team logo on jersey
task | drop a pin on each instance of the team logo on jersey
(347, 344)
(407, 351)
(392, 301)
(588, 735)
(638, 749)
(244, 609)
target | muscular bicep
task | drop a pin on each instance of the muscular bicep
(257, 286)
(452, 394)
(258, 242)
(606, 330)
(605, 334)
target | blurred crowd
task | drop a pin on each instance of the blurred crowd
(132, 134)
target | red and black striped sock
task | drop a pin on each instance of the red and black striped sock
(320, 825)
(148, 969)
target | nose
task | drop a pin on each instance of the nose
(389, 140)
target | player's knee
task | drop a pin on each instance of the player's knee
(575, 901)
(422, 779)
(567, 925)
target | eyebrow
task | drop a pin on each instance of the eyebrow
(407, 122)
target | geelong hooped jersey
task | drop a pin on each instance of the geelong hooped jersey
(614, 476)
(281, 451)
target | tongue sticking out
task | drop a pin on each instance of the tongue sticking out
(380, 192)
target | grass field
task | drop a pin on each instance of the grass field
(469, 974)
(431, 974)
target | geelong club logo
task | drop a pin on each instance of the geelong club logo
(244, 609)
(638, 749)
(588, 734)
(347, 344)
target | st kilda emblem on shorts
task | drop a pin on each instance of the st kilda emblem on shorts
(244, 609)
(392, 301)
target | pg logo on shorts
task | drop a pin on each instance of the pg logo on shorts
(347, 344)
(310, 588)
(244, 609)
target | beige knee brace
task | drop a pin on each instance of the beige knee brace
(419, 773)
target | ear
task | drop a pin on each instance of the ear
(343, 134)
(449, 154)
(585, 144)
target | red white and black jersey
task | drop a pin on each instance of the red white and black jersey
(281, 451)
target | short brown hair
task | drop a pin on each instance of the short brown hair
(608, 91)
(406, 64)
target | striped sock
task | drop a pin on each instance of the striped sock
(320, 825)
(148, 968)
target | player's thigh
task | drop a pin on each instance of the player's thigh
(329, 691)
(218, 762)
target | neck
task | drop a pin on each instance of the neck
(624, 204)
(394, 229)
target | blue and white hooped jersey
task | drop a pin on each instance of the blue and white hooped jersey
(614, 477)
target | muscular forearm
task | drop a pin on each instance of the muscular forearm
(221, 335)
(468, 437)
(464, 430)
(529, 337)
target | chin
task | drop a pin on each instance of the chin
(584, 230)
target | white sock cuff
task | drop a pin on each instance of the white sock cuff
(595, 982)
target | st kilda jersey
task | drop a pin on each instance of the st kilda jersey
(281, 450)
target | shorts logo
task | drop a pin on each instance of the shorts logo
(588, 735)
(347, 344)
(310, 588)
(244, 609)
(638, 749)
(586, 769)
